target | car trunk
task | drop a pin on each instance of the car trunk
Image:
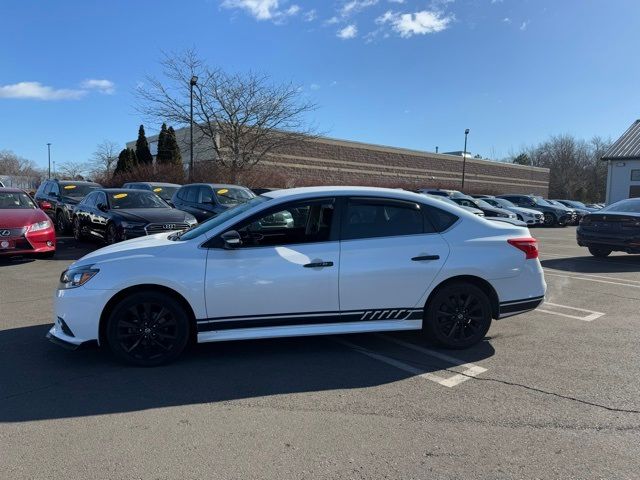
(611, 223)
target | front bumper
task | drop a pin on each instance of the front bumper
(24, 243)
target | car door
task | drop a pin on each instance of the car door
(98, 218)
(206, 202)
(82, 211)
(389, 256)
(285, 273)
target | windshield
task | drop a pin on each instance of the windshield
(482, 203)
(78, 189)
(575, 203)
(542, 201)
(501, 202)
(165, 193)
(220, 219)
(132, 199)
(15, 201)
(632, 205)
(233, 196)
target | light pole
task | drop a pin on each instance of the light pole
(464, 156)
(192, 83)
(49, 155)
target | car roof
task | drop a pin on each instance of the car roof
(158, 184)
(76, 182)
(305, 192)
(11, 190)
(216, 185)
(122, 190)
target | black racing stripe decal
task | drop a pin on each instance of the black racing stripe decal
(308, 318)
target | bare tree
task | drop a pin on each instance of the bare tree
(105, 158)
(241, 118)
(72, 170)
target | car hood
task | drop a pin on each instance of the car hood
(150, 245)
(529, 211)
(15, 218)
(501, 211)
(152, 215)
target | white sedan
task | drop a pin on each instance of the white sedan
(351, 260)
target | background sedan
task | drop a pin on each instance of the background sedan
(119, 214)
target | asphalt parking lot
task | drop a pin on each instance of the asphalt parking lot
(554, 393)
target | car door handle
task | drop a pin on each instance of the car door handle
(318, 264)
(426, 257)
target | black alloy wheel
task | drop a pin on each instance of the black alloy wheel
(61, 223)
(600, 252)
(148, 329)
(111, 236)
(458, 316)
(549, 219)
(77, 230)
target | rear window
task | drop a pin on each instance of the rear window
(233, 196)
(439, 219)
(631, 206)
(77, 189)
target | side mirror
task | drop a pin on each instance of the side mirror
(231, 239)
(102, 207)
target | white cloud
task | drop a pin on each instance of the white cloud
(354, 6)
(311, 15)
(524, 25)
(418, 23)
(506, 20)
(103, 86)
(263, 9)
(496, 1)
(396, 1)
(350, 31)
(37, 91)
(314, 86)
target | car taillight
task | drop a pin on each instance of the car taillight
(528, 245)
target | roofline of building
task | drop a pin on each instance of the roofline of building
(607, 158)
(407, 151)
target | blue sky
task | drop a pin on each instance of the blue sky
(409, 73)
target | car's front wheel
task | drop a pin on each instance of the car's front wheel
(549, 219)
(147, 329)
(600, 251)
(458, 316)
(111, 235)
(77, 230)
(61, 222)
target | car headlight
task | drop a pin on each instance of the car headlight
(35, 227)
(76, 277)
(132, 224)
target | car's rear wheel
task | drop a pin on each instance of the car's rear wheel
(147, 329)
(111, 236)
(458, 316)
(77, 230)
(600, 251)
(549, 219)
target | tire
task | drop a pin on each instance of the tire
(61, 223)
(111, 235)
(147, 329)
(600, 252)
(550, 220)
(77, 231)
(458, 316)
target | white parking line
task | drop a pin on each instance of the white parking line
(592, 315)
(467, 370)
(591, 278)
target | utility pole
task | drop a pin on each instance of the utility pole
(49, 154)
(192, 83)
(464, 156)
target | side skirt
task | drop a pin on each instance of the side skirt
(514, 307)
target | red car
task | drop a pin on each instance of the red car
(24, 228)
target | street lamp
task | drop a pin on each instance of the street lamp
(464, 156)
(49, 155)
(192, 83)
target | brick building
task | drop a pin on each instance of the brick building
(327, 161)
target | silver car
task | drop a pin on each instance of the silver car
(526, 215)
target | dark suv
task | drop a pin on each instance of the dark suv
(206, 200)
(552, 215)
(58, 198)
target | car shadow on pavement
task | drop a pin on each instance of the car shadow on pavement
(589, 264)
(39, 380)
(66, 249)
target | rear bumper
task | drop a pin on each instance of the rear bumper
(615, 241)
(514, 307)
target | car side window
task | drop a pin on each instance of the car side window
(206, 195)
(191, 194)
(302, 222)
(89, 200)
(466, 203)
(54, 189)
(101, 198)
(438, 220)
(47, 188)
(370, 218)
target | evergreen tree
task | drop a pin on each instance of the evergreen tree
(142, 148)
(173, 147)
(127, 161)
(164, 155)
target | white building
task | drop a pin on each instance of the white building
(623, 171)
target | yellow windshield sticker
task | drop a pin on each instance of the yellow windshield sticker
(69, 187)
(118, 196)
(157, 189)
(222, 191)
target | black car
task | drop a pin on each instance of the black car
(58, 198)
(115, 214)
(164, 190)
(576, 214)
(206, 200)
(488, 210)
(614, 228)
(552, 215)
